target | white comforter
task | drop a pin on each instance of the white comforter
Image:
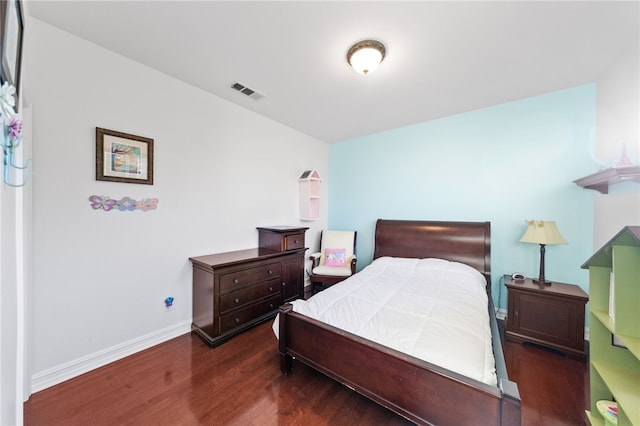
(432, 309)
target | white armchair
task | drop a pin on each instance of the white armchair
(336, 259)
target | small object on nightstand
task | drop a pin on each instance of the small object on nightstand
(518, 277)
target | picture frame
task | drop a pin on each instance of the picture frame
(122, 157)
(11, 35)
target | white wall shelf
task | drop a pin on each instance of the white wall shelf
(601, 180)
(309, 183)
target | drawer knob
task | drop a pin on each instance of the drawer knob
(295, 241)
(237, 320)
(269, 272)
(270, 288)
(284, 284)
(517, 313)
(271, 305)
(235, 281)
(236, 300)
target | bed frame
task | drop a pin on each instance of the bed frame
(417, 390)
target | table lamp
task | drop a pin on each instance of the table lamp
(543, 233)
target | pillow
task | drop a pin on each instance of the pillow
(335, 257)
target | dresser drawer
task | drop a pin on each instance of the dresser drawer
(240, 298)
(292, 242)
(247, 277)
(239, 317)
(281, 238)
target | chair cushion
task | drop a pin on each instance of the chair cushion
(335, 257)
(336, 271)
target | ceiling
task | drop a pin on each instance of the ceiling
(442, 58)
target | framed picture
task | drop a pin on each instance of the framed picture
(121, 157)
(11, 30)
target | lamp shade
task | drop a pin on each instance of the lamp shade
(366, 55)
(542, 232)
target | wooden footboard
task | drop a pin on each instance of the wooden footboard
(417, 390)
(511, 407)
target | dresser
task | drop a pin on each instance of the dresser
(550, 315)
(236, 290)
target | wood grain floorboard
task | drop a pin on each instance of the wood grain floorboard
(554, 389)
(184, 382)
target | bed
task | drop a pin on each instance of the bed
(421, 391)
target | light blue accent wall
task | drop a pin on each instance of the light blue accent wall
(502, 164)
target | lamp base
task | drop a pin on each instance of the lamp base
(541, 281)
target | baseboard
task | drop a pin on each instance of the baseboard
(71, 369)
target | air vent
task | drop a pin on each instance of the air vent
(246, 91)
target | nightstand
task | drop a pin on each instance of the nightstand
(551, 315)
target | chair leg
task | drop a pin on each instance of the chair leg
(318, 287)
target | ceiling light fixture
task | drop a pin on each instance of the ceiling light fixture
(366, 55)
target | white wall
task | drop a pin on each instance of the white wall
(11, 314)
(100, 278)
(618, 124)
(14, 277)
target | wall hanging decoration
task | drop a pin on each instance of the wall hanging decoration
(101, 202)
(309, 183)
(11, 29)
(11, 137)
(121, 157)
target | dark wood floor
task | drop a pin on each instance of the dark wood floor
(184, 382)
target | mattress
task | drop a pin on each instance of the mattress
(432, 309)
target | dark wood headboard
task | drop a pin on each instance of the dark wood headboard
(464, 242)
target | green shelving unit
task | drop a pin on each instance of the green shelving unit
(614, 294)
